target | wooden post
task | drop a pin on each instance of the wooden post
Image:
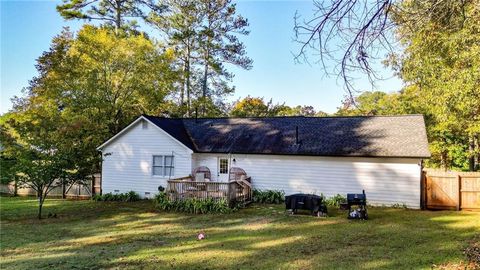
(459, 194)
(92, 187)
(230, 193)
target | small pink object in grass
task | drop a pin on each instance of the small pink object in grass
(201, 236)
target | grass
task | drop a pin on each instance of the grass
(89, 234)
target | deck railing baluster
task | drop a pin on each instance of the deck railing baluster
(231, 191)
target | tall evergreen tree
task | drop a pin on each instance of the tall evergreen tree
(205, 37)
(117, 13)
(219, 45)
(179, 25)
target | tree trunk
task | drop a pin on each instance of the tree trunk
(118, 17)
(182, 91)
(443, 160)
(40, 203)
(205, 83)
(206, 58)
(471, 154)
(15, 188)
(477, 150)
(188, 80)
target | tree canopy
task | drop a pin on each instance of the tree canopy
(120, 14)
(258, 107)
(205, 37)
(90, 85)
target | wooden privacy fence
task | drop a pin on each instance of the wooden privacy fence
(235, 191)
(75, 191)
(451, 190)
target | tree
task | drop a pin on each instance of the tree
(45, 155)
(284, 110)
(441, 64)
(220, 45)
(376, 103)
(104, 79)
(117, 13)
(8, 158)
(180, 25)
(89, 87)
(204, 37)
(257, 107)
(356, 35)
(253, 107)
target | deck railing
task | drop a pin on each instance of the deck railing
(235, 191)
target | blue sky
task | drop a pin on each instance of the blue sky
(27, 28)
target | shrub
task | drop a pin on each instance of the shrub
(268, 196)
(399, 206)
(130, 196)
(335, 200)
(192, 205)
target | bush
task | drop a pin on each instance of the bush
(335, 200)
(130, 196)
(192, 205)
(399, 206)
(268, 196)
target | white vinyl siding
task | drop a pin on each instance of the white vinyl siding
(128, 164)
(386, 180)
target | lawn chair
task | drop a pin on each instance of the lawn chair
(201, 174)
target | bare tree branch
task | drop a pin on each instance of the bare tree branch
(349, 33)
(356, 34)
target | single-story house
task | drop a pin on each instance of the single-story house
(330, 155)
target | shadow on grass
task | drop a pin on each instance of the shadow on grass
(132, 236)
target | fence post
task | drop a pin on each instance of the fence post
(459, 194)
(92, 184)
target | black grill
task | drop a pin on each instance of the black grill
(356, 206)
(311, 202)
(357, 199)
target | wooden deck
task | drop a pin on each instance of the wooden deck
(233, 192)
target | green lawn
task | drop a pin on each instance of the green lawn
(90, 234)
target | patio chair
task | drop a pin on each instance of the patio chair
(236, 174)
(201, 174)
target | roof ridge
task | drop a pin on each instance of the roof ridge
(286, 116)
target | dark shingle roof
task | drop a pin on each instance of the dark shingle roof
(375, 136)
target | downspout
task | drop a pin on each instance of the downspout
(423, 191)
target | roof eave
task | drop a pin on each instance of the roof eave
(311, 155)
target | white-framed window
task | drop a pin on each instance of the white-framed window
(223, 166)
(163, 165)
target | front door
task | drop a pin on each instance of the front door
(223, 168)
